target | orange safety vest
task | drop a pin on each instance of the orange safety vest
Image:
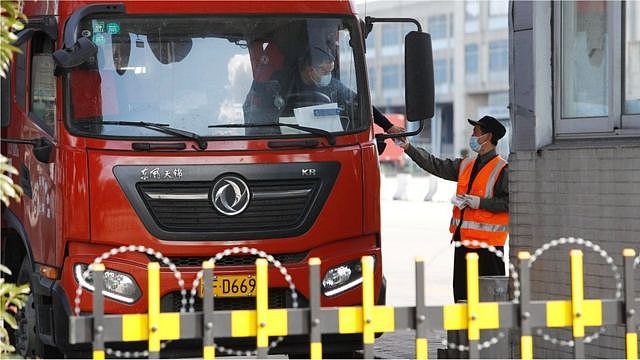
(478, 224)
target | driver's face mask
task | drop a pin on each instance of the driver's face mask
(321, 75)
(324, 80)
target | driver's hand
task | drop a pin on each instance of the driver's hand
(398, 141)
(395, 130)
(403, 143)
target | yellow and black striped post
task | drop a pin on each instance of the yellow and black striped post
(153, 294)
(368, 334)
(526, 340)
(421, 313)
(98, 311)
(315, 331)
(208, 349)
(473, 299)
(577, 303)
(629, 304)
(262, 307)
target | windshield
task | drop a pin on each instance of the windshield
(217, 76)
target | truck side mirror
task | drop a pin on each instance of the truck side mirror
(81, 51)
(419, 85)
(42, 149)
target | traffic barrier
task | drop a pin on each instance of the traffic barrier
(522, 313)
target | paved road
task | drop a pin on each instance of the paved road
(412, 228)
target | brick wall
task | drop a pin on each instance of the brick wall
(585, 190)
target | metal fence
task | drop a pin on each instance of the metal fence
(521, 313)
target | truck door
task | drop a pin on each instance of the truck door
(39, 123)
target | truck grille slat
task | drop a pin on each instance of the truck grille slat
(182, 206)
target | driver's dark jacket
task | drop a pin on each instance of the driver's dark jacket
(344, 96)
(260, 107)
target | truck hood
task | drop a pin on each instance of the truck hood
(268, 200)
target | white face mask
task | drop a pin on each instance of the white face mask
(324, 80)
(474, 143)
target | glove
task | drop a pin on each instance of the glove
(472, 201)
(459, 201)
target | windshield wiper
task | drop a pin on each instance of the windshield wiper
(164, 128)
(315, 131)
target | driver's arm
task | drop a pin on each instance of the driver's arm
(381, 120)
(347, 96)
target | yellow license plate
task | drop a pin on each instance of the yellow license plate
(232, 286)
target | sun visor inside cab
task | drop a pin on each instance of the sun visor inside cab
(121, 51)
(169, 51)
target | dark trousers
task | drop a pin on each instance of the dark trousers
(488, 264)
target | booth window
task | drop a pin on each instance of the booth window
(598, 56)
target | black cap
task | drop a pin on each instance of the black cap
(490, 124)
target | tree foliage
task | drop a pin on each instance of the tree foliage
(8, 189)
(13, 298)
(11, 20)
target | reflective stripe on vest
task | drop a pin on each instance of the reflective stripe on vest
(478, 224)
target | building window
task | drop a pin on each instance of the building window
(440, 71)
(372, 79)
(371, 42)
(390, 77)
(498, 59)
(498, 12)
(585, 51)
(471, 59)
(391, 35)
(471, 16)
(631, 76)
(598, 61)
(438, 26)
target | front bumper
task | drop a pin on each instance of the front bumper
(134, 263)
(60, 312)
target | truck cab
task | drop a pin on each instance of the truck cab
(184, 127)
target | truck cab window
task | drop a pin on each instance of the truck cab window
(43, 83)
(216, 77)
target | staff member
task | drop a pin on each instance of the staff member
(481, 204)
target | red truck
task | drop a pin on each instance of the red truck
(171, 125)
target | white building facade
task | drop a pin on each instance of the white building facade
(471, 63)
(574, 168)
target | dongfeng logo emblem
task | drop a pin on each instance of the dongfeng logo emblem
(230, 195)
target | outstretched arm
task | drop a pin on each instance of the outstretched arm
(444, 168)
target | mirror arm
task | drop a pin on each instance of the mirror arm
(47, 25)
(404, 134)
(20, 141)
(369, 20)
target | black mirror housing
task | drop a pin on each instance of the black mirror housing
(42, 150)
(82, 51)
(419, 83)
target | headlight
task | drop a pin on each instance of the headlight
(342, 278)
(117, 285)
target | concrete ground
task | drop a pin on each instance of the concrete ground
(415, 228)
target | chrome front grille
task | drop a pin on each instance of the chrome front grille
(186, 206)
(251, 201)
